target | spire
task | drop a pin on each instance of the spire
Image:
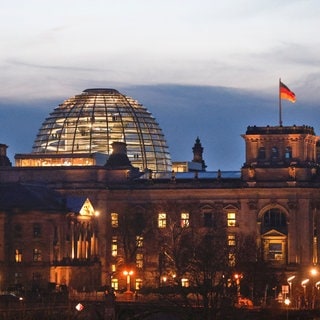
(197, 154)
(4, 160)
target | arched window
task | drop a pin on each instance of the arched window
(274, 236)
(288, 153)
(262, 153)
(274, 153)
(274, 219)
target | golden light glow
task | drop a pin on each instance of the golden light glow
(128, 273)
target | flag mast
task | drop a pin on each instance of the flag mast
(280, 107)
(284, 93)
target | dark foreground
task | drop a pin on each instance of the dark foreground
(147, 311)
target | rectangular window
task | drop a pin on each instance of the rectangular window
(162, 220)
(139, 260)
(113, 268)
(208, 219)
(115, 284)
(17, 277)
(18, 255)
(114, 246)
(139, 241)
(114, 220)
(231, 240)
(138, 285)
(18, 231)
(37, 255)
(36, 276)
(184, 282)
(232, 259)
(275, 251)
(231, 217)
(36, 230)
(184, 220)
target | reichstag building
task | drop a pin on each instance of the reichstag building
(99, 199)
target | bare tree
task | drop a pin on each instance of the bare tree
(197, 254)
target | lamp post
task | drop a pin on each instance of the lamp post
(287, 303)
(128, 294)
(289, 280)
(313, 273)
(237, 278)
(304, 285)
(317, 285)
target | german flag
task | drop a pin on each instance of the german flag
(286, 93)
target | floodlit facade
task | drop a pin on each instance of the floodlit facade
(272, 200)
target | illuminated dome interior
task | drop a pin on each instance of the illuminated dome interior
(90, 122)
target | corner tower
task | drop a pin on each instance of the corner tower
(280, 153)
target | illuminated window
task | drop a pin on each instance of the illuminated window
(37, 255)
(36, 230)
(184, 282)
(139, 260)
(113, 268)
(114, 246)
(232, 259)
(18, 255)
(231, 240)
(231, 217)
(138, 285)
(115, 284)
(114, 220)
(139, 241)
(185, 220)
(162, 220)
(275, 251)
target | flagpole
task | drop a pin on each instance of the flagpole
(280, 107)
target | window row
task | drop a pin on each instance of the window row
(36, 230)
(274, 153)
(208, 219)
(139, 246)
(36, 255)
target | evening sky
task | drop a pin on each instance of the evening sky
(204, 68)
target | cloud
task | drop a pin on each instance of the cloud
(218, 115)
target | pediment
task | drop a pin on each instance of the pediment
(87, 209)
(80, 205)
(230, 207)
(274, 234)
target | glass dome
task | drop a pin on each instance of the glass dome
(90, 122)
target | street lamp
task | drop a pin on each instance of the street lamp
(128, 274)
(289, 280)
(287, 303)
(313, 273)
(304, 284)
(237, 278)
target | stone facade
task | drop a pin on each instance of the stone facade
(273, 200)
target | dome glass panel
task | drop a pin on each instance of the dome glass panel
(90, 122)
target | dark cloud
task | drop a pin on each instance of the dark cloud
(54, 67)
(217, 115)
